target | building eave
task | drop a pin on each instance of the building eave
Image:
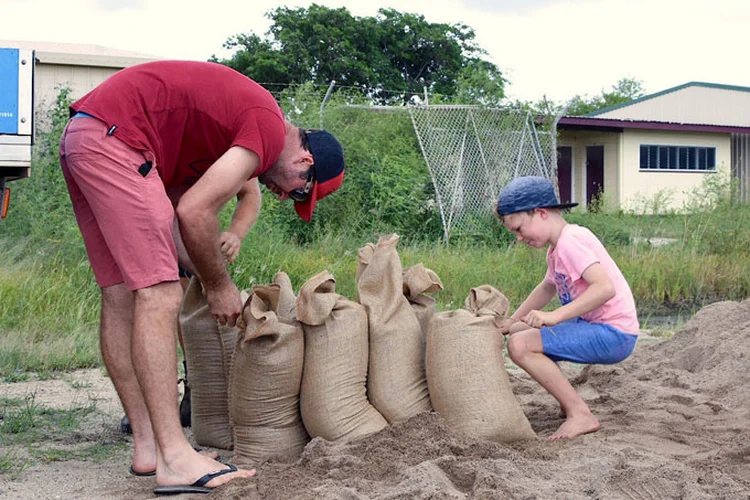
(68, 59)
(611, 125)
(720, 86)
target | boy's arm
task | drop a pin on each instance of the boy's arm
(600, 290)
(538, 298)
(245, 215)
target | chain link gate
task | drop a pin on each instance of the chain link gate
(472, 152)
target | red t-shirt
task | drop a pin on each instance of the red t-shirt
(188, 114)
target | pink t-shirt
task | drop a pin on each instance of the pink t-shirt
(576, 249)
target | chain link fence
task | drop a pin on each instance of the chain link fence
(471, 152)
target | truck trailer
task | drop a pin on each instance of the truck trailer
(16, 118)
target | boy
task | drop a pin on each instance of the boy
(597, 321)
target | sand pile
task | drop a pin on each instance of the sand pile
(675, 424)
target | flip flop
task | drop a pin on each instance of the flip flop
(142, 474)
(153, 472)
(197, 487)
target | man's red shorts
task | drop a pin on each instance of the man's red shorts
(122, 208)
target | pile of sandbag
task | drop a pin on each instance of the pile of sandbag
(322, 365)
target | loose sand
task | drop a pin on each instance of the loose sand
(675, 424)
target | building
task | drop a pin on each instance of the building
(658, 147)
(78, 67)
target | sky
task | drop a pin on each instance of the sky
(546, 48)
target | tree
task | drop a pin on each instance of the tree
(626, 89)
(390, 57)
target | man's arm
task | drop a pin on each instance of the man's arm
(197, 213)
(244, 217)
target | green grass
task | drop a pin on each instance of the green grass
(27, 422)
(49, 306)
(31, 433)
(49, 301)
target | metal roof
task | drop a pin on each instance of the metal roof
(669, 91)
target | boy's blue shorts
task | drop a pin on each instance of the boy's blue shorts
(579, 341)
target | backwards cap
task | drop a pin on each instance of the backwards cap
(328, 157)
(527, 193)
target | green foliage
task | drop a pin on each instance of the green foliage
(714, 222)
(626, 89)
(49, 301)
(387, 187)
(480, 82)
(27, 427)
(611, 229)
(390, 57)
(40, 209)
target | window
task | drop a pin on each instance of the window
(698, 158)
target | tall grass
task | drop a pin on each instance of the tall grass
(49, 308)
(49, 302)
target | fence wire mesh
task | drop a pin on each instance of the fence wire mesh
(472, 152)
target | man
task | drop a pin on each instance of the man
(153, 142)
(245, 214)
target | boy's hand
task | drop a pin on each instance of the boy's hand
(505, 325)
(538, 319)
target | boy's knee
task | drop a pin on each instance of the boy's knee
(523, 342)
(516, 347)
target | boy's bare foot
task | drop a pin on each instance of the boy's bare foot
(576, 426)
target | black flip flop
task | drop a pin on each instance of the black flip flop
(142, 474)
(197, 487)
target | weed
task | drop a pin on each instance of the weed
(12, 463)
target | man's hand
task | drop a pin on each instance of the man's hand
(225, 303)
(538, 319)
(230, 245)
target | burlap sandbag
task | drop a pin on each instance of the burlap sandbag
(396, 383)
(208, 352)
(265, 381)
(287, 308)
(466, 373)
(418, 280)
(333, 400)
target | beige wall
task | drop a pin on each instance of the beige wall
(579, 140)
(79, 67)
(638, 188)
(625, 186)
(694, 104)
(49, 78)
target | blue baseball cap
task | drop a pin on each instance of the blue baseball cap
(328, 156)
(527, 193)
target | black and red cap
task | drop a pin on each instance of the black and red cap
(328, 157)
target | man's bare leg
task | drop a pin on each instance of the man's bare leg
(185, 416)
(155, 363)
(116, 330)
(525, 349)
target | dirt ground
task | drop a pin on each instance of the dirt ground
(675, 424)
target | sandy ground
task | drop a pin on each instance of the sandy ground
(675, 424)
